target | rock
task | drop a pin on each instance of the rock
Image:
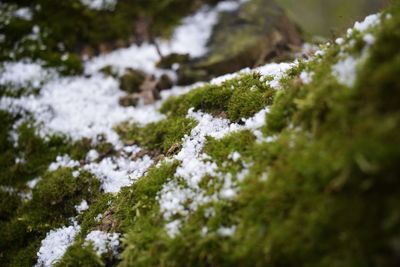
(131, 81)
(255, 33)
(148, 91)
(129, 100)
(164, 82)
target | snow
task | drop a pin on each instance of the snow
(80, 107)
(103, 242)
(235, 156)
(276, 71)
(369, 39)
(24, 13)
(100, 4)
(23, 74)
(117, 172)
(177, 200)
(190, 37)
(32, 183)
(345, 70)
(369, 22)
(63, 161)
(75, 174)
(273, 71)
(92, 155)
(55, 244)
(306, 77)
(82, 206)
(339, 41)
(226, 231)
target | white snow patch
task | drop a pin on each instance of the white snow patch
(227, 231)
(63, 161)
(190, 37)
(369, 22)
(100, 4)
(277, 71)
(81, 108)
(117, 172)
(32, 183)
(24, 74)
(345, 71)
(103, 242)
(24, 13)
(175, 199)
(235, 156)
(92, 155)
(82, 206)
(55, 244)
(306, 77)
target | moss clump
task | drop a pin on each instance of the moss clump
(77, 255)
(98, 206)
(236, 99)
(168, 61)
(159, 136)
(53, 203)
(35, 153)
(333, 162)
(241, 142)
(131, 81)
(138, 210)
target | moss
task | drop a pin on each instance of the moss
(237, 98)
(305, 201)
(220, 149)
(137, 208)
(160, 136)
(168, 61)
(89, 31)
(36, 153)
(131, 81)
(53, 203)
(98, 206)
(77, 255)
(9, 203)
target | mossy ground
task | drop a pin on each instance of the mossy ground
(323, 192)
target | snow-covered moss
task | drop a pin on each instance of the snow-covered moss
(292, 164)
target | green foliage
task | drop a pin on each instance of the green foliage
(138, 210)
(237, 98)
(37, 153)
(53, 203)
(220, 149)
(131, 81)
(87, 29)
(323, 192)
(76, 255)
(160, 136)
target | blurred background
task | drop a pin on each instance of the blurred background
(328, 18)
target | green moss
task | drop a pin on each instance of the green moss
(77, 255)
(137, 208)
(160, 136)
(98, 206)
(37, 153)
(53, 203)
(131, 81)
(220, 149)
(237, 98)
